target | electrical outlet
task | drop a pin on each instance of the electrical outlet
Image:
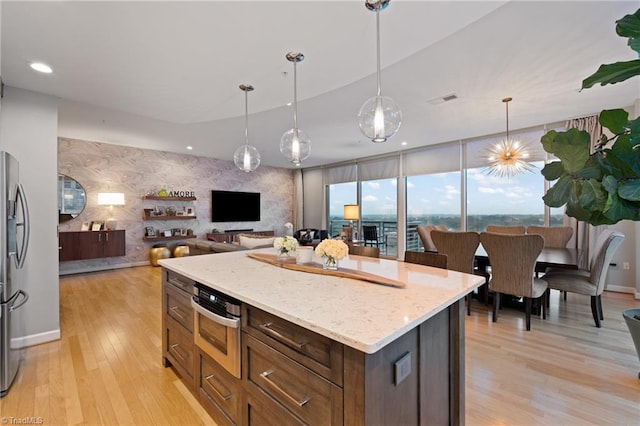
(625, 265)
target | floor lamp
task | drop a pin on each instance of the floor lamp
(351, 213)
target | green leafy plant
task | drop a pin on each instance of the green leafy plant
(600, 187)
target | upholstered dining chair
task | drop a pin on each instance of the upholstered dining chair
(427, 258)
(512, 230)
(424, 232)
(554, 236)
(364, 251)
(460, 249)
(513, 260)
(589, 282)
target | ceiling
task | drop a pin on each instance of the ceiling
(165, 75)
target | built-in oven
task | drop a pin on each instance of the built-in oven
(217, 326)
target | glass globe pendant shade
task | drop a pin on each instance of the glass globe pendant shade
(295, 145)
(379, 118)
(246, 158)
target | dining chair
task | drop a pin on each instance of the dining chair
(512, 230)
(370, 236)
(460, 249)
(513, 260)
(589, 282)
(554, 236)
(427, 258)
(364, 251)
(424, 232)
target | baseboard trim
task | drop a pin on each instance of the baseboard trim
(103, 268)
(623, 289)
(37, 339)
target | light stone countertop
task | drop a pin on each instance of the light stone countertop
(360, 314)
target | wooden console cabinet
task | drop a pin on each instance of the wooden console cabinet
(83, 245)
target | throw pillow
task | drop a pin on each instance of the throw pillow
(256, 241)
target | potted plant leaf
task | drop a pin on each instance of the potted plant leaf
(600, 187)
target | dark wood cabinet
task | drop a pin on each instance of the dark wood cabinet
(292, 375)
(83, 245)
(178, 349)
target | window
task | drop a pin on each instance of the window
(432, 200)
(504, 201)
(380, 208)
(339, 195)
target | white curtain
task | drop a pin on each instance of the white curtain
(583, 233)
(591, 124)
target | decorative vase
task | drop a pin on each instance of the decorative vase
(282, 255)
(329, 263)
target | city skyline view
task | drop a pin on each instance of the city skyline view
(439, 194)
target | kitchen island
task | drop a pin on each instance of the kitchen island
(321, 349)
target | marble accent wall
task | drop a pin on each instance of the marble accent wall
(101, 167)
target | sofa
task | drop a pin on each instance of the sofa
(233, 241)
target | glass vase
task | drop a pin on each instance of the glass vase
(329, 263)
(282, 255)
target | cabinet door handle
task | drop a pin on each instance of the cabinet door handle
(267, 328)
(265, 375)
(106, 237)
(99, 237)
(208, 380)
(176, 310)
(179, 283)
(175, 348)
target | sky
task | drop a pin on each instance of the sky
(440, 194)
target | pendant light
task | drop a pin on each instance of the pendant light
(508, 157)
(295, 145)
(380, 116)
(246, 157)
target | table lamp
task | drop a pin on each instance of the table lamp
(110, 199)
(351, 213)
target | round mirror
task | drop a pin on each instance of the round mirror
(71, 198)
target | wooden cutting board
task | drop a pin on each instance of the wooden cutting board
(316, 268)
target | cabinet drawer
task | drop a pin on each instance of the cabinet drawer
(264, 411)
(219, 391)
(179, 349)
(179, 281)
(319, 353)
(309, 396)
(178, 306)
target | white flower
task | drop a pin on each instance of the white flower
(285, 244)
(335, 249)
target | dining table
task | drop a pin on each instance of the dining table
(549, 257)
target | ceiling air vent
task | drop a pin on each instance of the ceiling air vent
(443, 99)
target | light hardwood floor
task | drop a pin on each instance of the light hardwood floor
(107, 368)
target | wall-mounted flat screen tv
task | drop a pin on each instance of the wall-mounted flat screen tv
(235, 206)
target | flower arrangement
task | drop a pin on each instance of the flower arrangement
(331, 251)
(285, 245)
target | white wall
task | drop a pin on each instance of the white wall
(28, 130)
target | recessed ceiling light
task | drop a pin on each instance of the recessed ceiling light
(289, 103)
(403, 143)
(189, 147)
(39, 66)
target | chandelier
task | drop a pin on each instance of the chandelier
(508, 157)
(246, 157)
(380, 116)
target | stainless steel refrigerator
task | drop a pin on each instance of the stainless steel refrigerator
(14, 240)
